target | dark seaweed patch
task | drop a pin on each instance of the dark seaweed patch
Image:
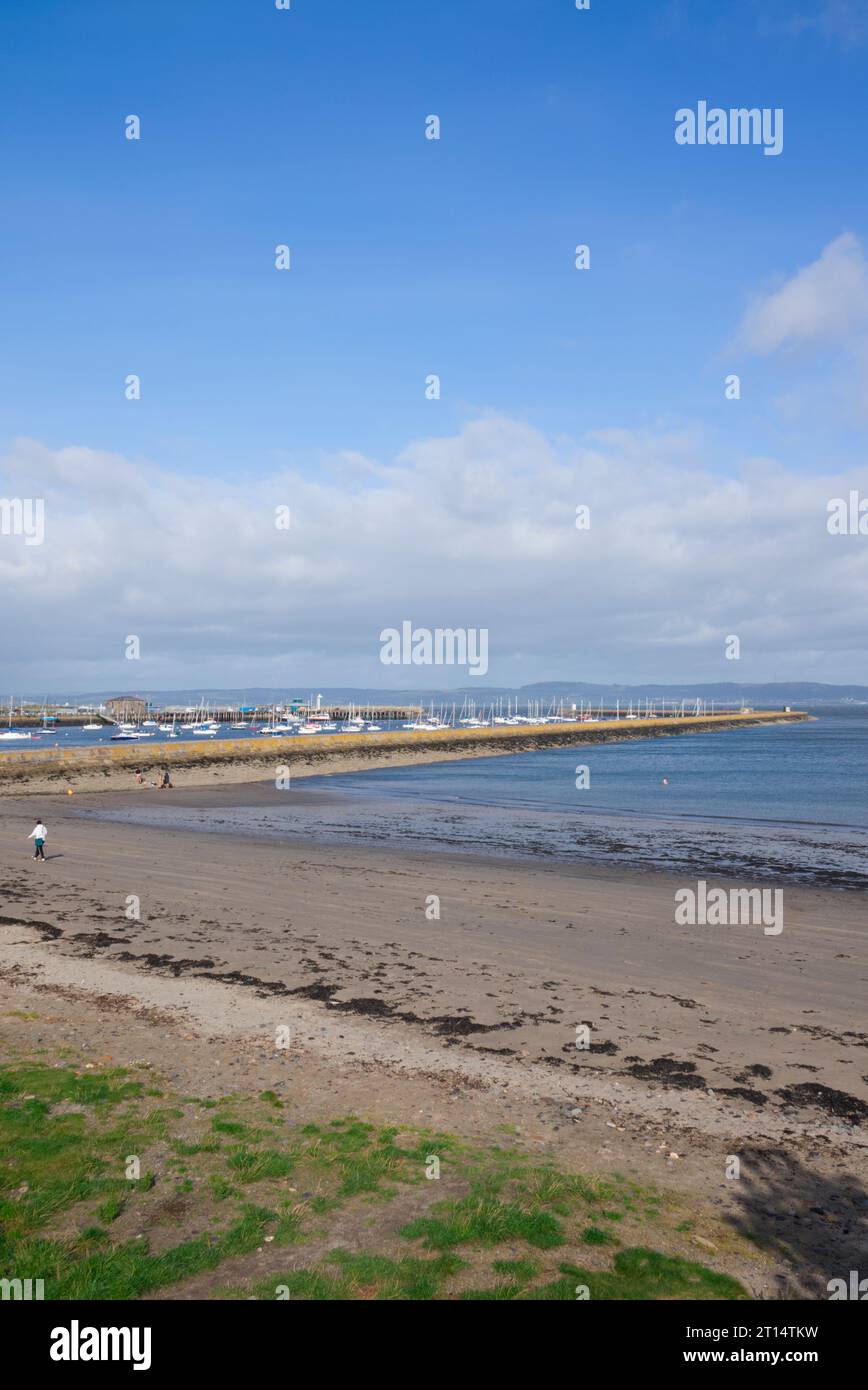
(670, 1071)
(47, 930)
(825, 1098)
(742, 1093)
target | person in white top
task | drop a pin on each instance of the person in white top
(39, 834)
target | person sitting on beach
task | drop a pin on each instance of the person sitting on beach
(140, 777)
(39, 834)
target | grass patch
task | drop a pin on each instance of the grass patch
(347, 1277)
(485, 1221)
(594, 1236)
(641, 1274)
(111, 1188)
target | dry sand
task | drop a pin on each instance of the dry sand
(705, 1042)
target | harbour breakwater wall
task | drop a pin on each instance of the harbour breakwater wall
(254, 759)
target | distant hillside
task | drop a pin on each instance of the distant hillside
(774, 691)
(771, 693)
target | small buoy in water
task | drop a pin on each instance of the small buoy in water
(666, 781)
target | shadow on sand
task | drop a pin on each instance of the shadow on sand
(815, 1224)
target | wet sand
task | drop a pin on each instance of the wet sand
(705, 1041)
(363, 811)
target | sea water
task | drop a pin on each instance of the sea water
(783, 802)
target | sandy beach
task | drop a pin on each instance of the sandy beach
(704, 1042)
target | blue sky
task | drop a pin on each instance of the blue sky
(411, 256)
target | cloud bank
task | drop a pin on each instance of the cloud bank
(472, 530)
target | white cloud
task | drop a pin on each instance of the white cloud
(843, 21)
(825, 302)
(472, 530)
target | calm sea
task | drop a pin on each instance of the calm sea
(786, 802)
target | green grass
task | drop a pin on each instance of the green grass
(250, 1165)
(110, 1210)
(594, 1236)
(641, 1274)
(83, 1269)
(224, 1177)
(520, 1271)
(344, 1276)
(486, 1221)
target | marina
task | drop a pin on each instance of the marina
(128, 719)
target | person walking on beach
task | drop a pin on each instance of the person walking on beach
(166, 780)
(39, 834)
